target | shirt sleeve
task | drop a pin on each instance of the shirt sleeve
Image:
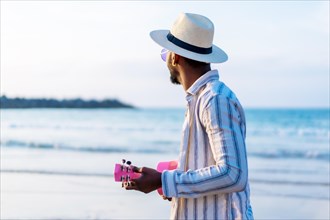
(224, 127)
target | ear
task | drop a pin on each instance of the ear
(175, 59)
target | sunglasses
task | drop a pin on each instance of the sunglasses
(163, 54)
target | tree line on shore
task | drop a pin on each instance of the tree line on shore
(18, 102)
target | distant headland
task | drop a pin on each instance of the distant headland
(17, 102)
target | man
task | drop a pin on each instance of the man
(211, 181)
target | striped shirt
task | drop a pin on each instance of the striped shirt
(211, 181)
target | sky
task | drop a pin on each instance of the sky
(278, 50)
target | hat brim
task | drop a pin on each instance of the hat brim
(217, 55)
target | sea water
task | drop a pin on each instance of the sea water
(288, 149)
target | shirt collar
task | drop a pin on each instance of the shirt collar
(201, 81)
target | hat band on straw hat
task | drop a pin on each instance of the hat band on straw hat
(184, 45)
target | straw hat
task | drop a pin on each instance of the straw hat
(191, 36)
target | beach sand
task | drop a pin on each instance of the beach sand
(58, 196)
(49, 184)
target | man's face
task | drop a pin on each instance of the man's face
(173, 69)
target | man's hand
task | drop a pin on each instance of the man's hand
(149, 181)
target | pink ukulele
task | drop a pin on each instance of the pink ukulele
(124, 173)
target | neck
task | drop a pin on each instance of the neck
(189, 76)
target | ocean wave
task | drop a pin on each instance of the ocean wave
(284, 171)
(287, 154)
(269, 184)
(68, 173)
(310, 133)
(294, 195)
(90, 149)
(53, 172)
(165, 147)
(287, 182)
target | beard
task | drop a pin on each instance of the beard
(174, 76)
(174, 80)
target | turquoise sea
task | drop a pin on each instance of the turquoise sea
(287, 147)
